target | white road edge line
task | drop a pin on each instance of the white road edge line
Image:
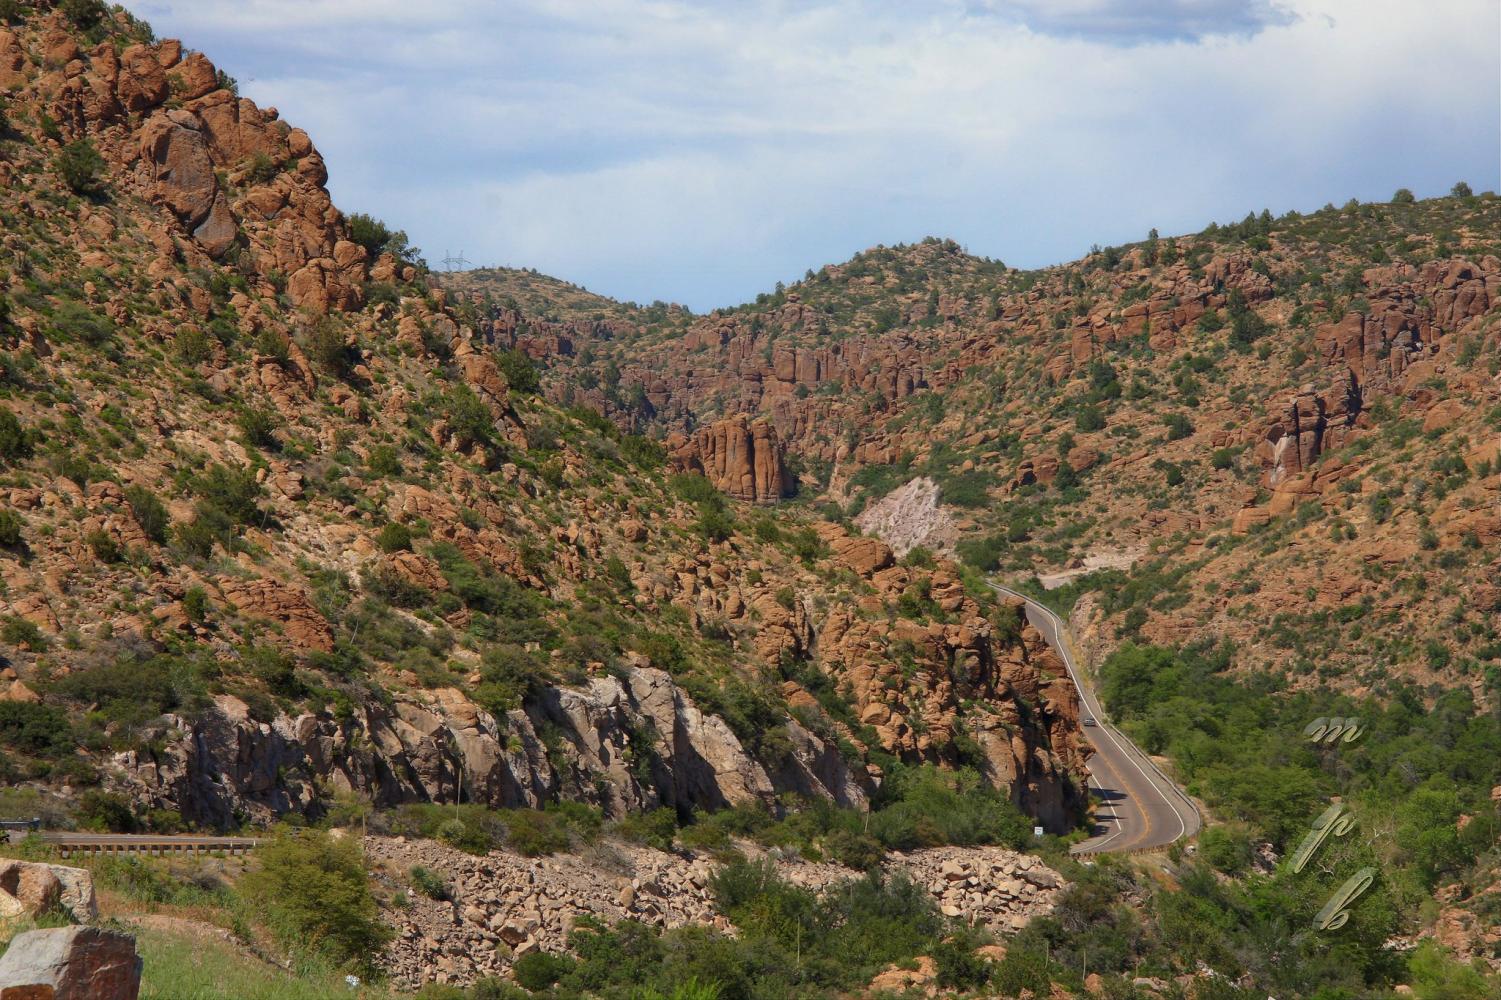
(1060, 630)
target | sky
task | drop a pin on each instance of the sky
(699, 151)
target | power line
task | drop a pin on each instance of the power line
(452, 262)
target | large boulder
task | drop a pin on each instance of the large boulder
(30, 888)
(71, 963)
(175, 148)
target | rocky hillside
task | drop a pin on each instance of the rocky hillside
(1287, 429)
(279, 522)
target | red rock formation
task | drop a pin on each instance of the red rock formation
(742, 458)
(228, 170)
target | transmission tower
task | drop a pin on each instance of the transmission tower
(452, 262)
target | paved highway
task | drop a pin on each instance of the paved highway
(1137, 806)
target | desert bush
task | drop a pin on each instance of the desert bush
(149, 512)
(34, 728)
(521, 374)
(394, 537)
(11, 524)
(315, 894)
(428, 882)
(82, 168)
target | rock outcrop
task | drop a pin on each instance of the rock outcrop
(742, 458)
(624, 743)
(178, 134)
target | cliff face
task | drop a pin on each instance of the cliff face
(742, 459)
(278, 524)
(625, 744)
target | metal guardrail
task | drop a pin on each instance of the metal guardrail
(69, 845)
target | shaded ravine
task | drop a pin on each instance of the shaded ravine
(1139, 807)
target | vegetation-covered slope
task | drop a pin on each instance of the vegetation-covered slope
(280, 524)
(1290, 425)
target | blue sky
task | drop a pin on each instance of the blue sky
(700, 151)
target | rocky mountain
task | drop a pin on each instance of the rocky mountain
(1285, 431)
(282, 521)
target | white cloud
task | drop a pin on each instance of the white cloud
(701, 151)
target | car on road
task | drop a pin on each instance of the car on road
(1088, 721)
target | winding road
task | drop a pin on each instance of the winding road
(1137, 807)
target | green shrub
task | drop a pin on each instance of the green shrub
(1178, 426)
(537, 970)
(1225, 849)
(328, 347)
(521, 374)
(192, 345)
(77, 322)
(132, 692)
(19, 632)
(428, 882)
(969, 489)
(108, 812)
(104, 546)
(195, 604)
(854, 849)
(15, 442)
(81, 166)
(11, 524)
(377, 238)
(315, 894)
(925, 807)
(34, 728)
(643, 453)
(532, 833)
(468, 416)
(509, 674)
(149, 512)
(232, 491)
(84, 14)
(714, 522)
(393, 537)
(384, 461)
(1089, 418)
(654, 829)
(258, 427)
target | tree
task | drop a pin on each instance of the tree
(314, 890)
(1089, 418)
(520, 373)
(1178, 426)
(1403, 197)
(82, 168)
(85, 14)
(378, 238)
(14, 441)
(1461, 190)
